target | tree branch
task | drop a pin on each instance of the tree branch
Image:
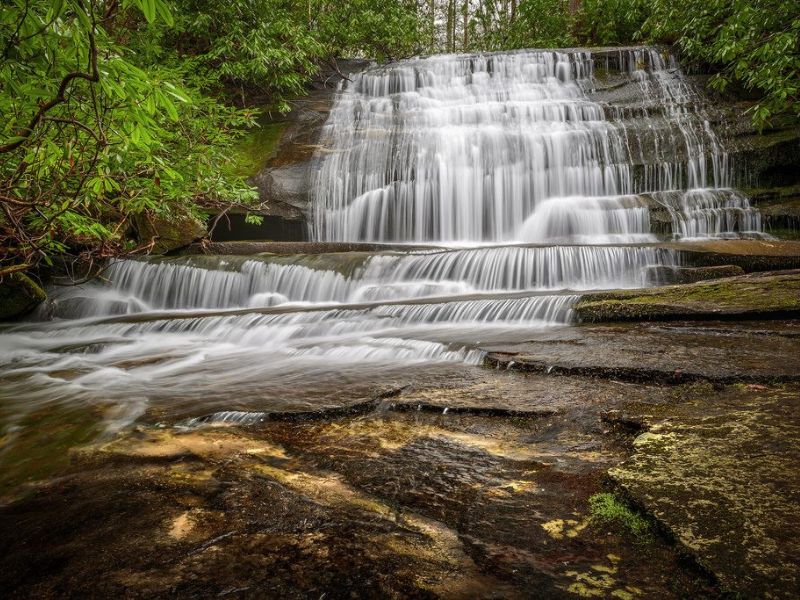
(61, 97)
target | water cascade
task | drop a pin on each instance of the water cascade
(518, 147)
(529, 175)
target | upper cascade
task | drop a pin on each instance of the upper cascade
(527, 146)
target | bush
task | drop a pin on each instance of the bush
(609, 22)
(755, 43)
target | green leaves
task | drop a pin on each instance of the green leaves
(252, 219)
(152, 10)
(143, 140)
(607, 22)
(753, 42)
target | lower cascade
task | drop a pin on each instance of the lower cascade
(520, 180)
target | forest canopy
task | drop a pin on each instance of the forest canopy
(120, 112)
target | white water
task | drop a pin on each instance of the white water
(476, 154)
(513, 148)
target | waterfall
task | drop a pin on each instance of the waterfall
(515, 147)
(136, 286)
(534, 174)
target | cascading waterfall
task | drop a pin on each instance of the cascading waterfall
(511, 148)
(534, 174)
(236, 282)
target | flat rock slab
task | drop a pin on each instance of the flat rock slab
(771, 294)
(723, 352)
(750, 255)
(741, 247)
(384, 505)
(720, 473)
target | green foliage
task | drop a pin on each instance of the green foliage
(607, 510)
(119, 111)
(366, 28)
(540, 24)
(116, 112)
(91, 139)
(534, 24)
(248, 45)
(755, 43)
(610, 22)
(251, 219)
(272, 48)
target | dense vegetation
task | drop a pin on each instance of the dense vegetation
(119, 113)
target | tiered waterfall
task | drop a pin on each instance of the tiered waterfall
(508, 183)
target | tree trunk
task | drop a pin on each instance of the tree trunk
(450, 25)
(465, 10)
(434, 45)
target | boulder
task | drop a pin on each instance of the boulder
(169, 234)
(19, 294)
(757, 295)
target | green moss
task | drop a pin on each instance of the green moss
(734, 295)
(606, 510)
(777, 192)
(169, 235)
(767, 139)
(257, 147)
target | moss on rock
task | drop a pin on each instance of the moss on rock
(607, 510)
(172, 234)
(718, 473)
(749, 295)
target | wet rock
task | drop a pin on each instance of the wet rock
(624, 420)
(19, 294)
(666, 353)
(665, 274)
(779, 208)
(750, 255)
(769, 158)
(168, 235)
(284, 185)
(384, 504)
(756, 295)
(719, 472)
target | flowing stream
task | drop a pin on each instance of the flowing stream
(524, 175)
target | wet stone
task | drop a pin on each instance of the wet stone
(757, 295)
(719, 471)
(671, 352)
(385, 504)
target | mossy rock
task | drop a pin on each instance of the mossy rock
(170, 234)
(771, 158)
(750, 255)
(768, 294)
(19, 294)
(669, 274)
(717, 472)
